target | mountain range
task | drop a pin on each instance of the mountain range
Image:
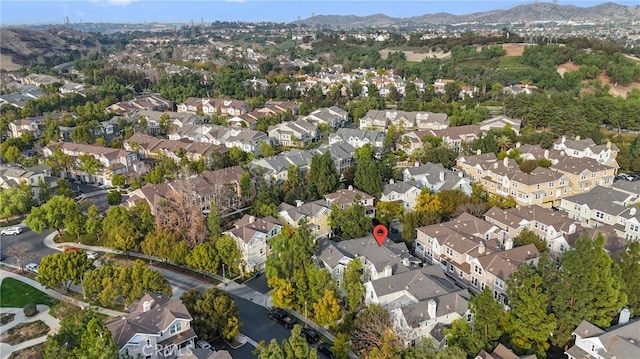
(603, 13)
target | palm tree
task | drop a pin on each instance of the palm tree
(503, 142)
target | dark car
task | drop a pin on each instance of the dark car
(2, 257)
(311, 335)
(326, 349)
(282, 317)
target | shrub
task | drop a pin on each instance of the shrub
(30, 310)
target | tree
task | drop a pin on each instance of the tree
(246, 186)
(295, 347)
(326, 310)
(461, 335)
(204, 257)
(63, 269)
(214, 313)
(428, 202)
(214, 224)
(114, 198)
(629, 263)
(587, 288)
(372, 330)
(116, 284)
(93, 224)
(352, 285)
(88, 164)
(81, 336)
(54, 214)
(488, 317)
(180, 216)
(502, 202)
(159, 243)
(387, 212)
(530, 326)
(118, 180)
(58, 161)
(20, 252)
(368, 177)
(527, 237)
(15, 200)
(44, 190)
(351, 222)
(322, 174)
(229, 254)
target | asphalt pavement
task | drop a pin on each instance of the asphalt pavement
(28, 242)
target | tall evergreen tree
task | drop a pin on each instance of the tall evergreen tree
(323, 174)
(530, 326)
(488, 317)
(586, 289)
(630, 271)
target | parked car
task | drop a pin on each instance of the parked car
(32, 267)
(92, 255)
(626, 177)
(326, 349)
(14, 231)
(204, 344)
(311, 335)
(2, 257)
(282, 317)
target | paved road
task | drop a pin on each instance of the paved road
(29, 241)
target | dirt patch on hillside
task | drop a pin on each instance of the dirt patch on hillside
(618, 90)
(7, 64)
(513, 49)
(567, 67)
(416, 56)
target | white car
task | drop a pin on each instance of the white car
(92, 255)
(14, 231)
(32, 267)
(204, 344)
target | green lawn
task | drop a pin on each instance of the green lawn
(85, 238)
(15, 294)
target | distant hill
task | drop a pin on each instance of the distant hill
(522, 13)
(24, 47)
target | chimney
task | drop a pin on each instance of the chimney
(299, 203)
(508, 244)
(479, 152)
(563, 139)
(546, 154)
(350, 188)
(518, 144)
(252, 219)
(624, 316)
(392, 181)
(417, 164)
(431, 308)
(441, 176)
(505, 161)
(632, 211)
(572, 228)
(481, 248)
(608, 145)
(578, 138)
(495, 165)
(146, 306)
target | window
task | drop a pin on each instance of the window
(551, 184)
(449, 252)
(634, 227)
(499, 283)
(175, 328)
(461, 274)
(477, 269)
(474, 281)
(514, 184)
(599, 215)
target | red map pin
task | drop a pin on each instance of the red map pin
(380, 233)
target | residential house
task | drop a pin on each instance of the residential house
(176, 120)
(502, 352)
(435, 178)
(345, 198)
(474, 253)
(613, 244)
(151, 103)
(586, 148)
(155, 327)
(220, 187)
(32, 125)
(314, 214)
(40, 80)
(584, 173)
(112, 161)
(454, 137)
(333, 116)
(520, 88)
(299, 133)
(500, 122)
(621, 341)
(358, 138)
(404, 192)
(22, 94)
(251, 235)
(13, 176)
(440, 84)
(543, 186)
(606, 206)
(213, 106)
(381, 120)
(244, 139)
(149, 147)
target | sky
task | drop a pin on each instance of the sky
(18, 12)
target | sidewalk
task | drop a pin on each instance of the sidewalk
(43, 315)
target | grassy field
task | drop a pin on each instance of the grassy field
(16, 294)
(85, 238)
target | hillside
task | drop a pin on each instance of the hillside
(522, 13)
(20, 46)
